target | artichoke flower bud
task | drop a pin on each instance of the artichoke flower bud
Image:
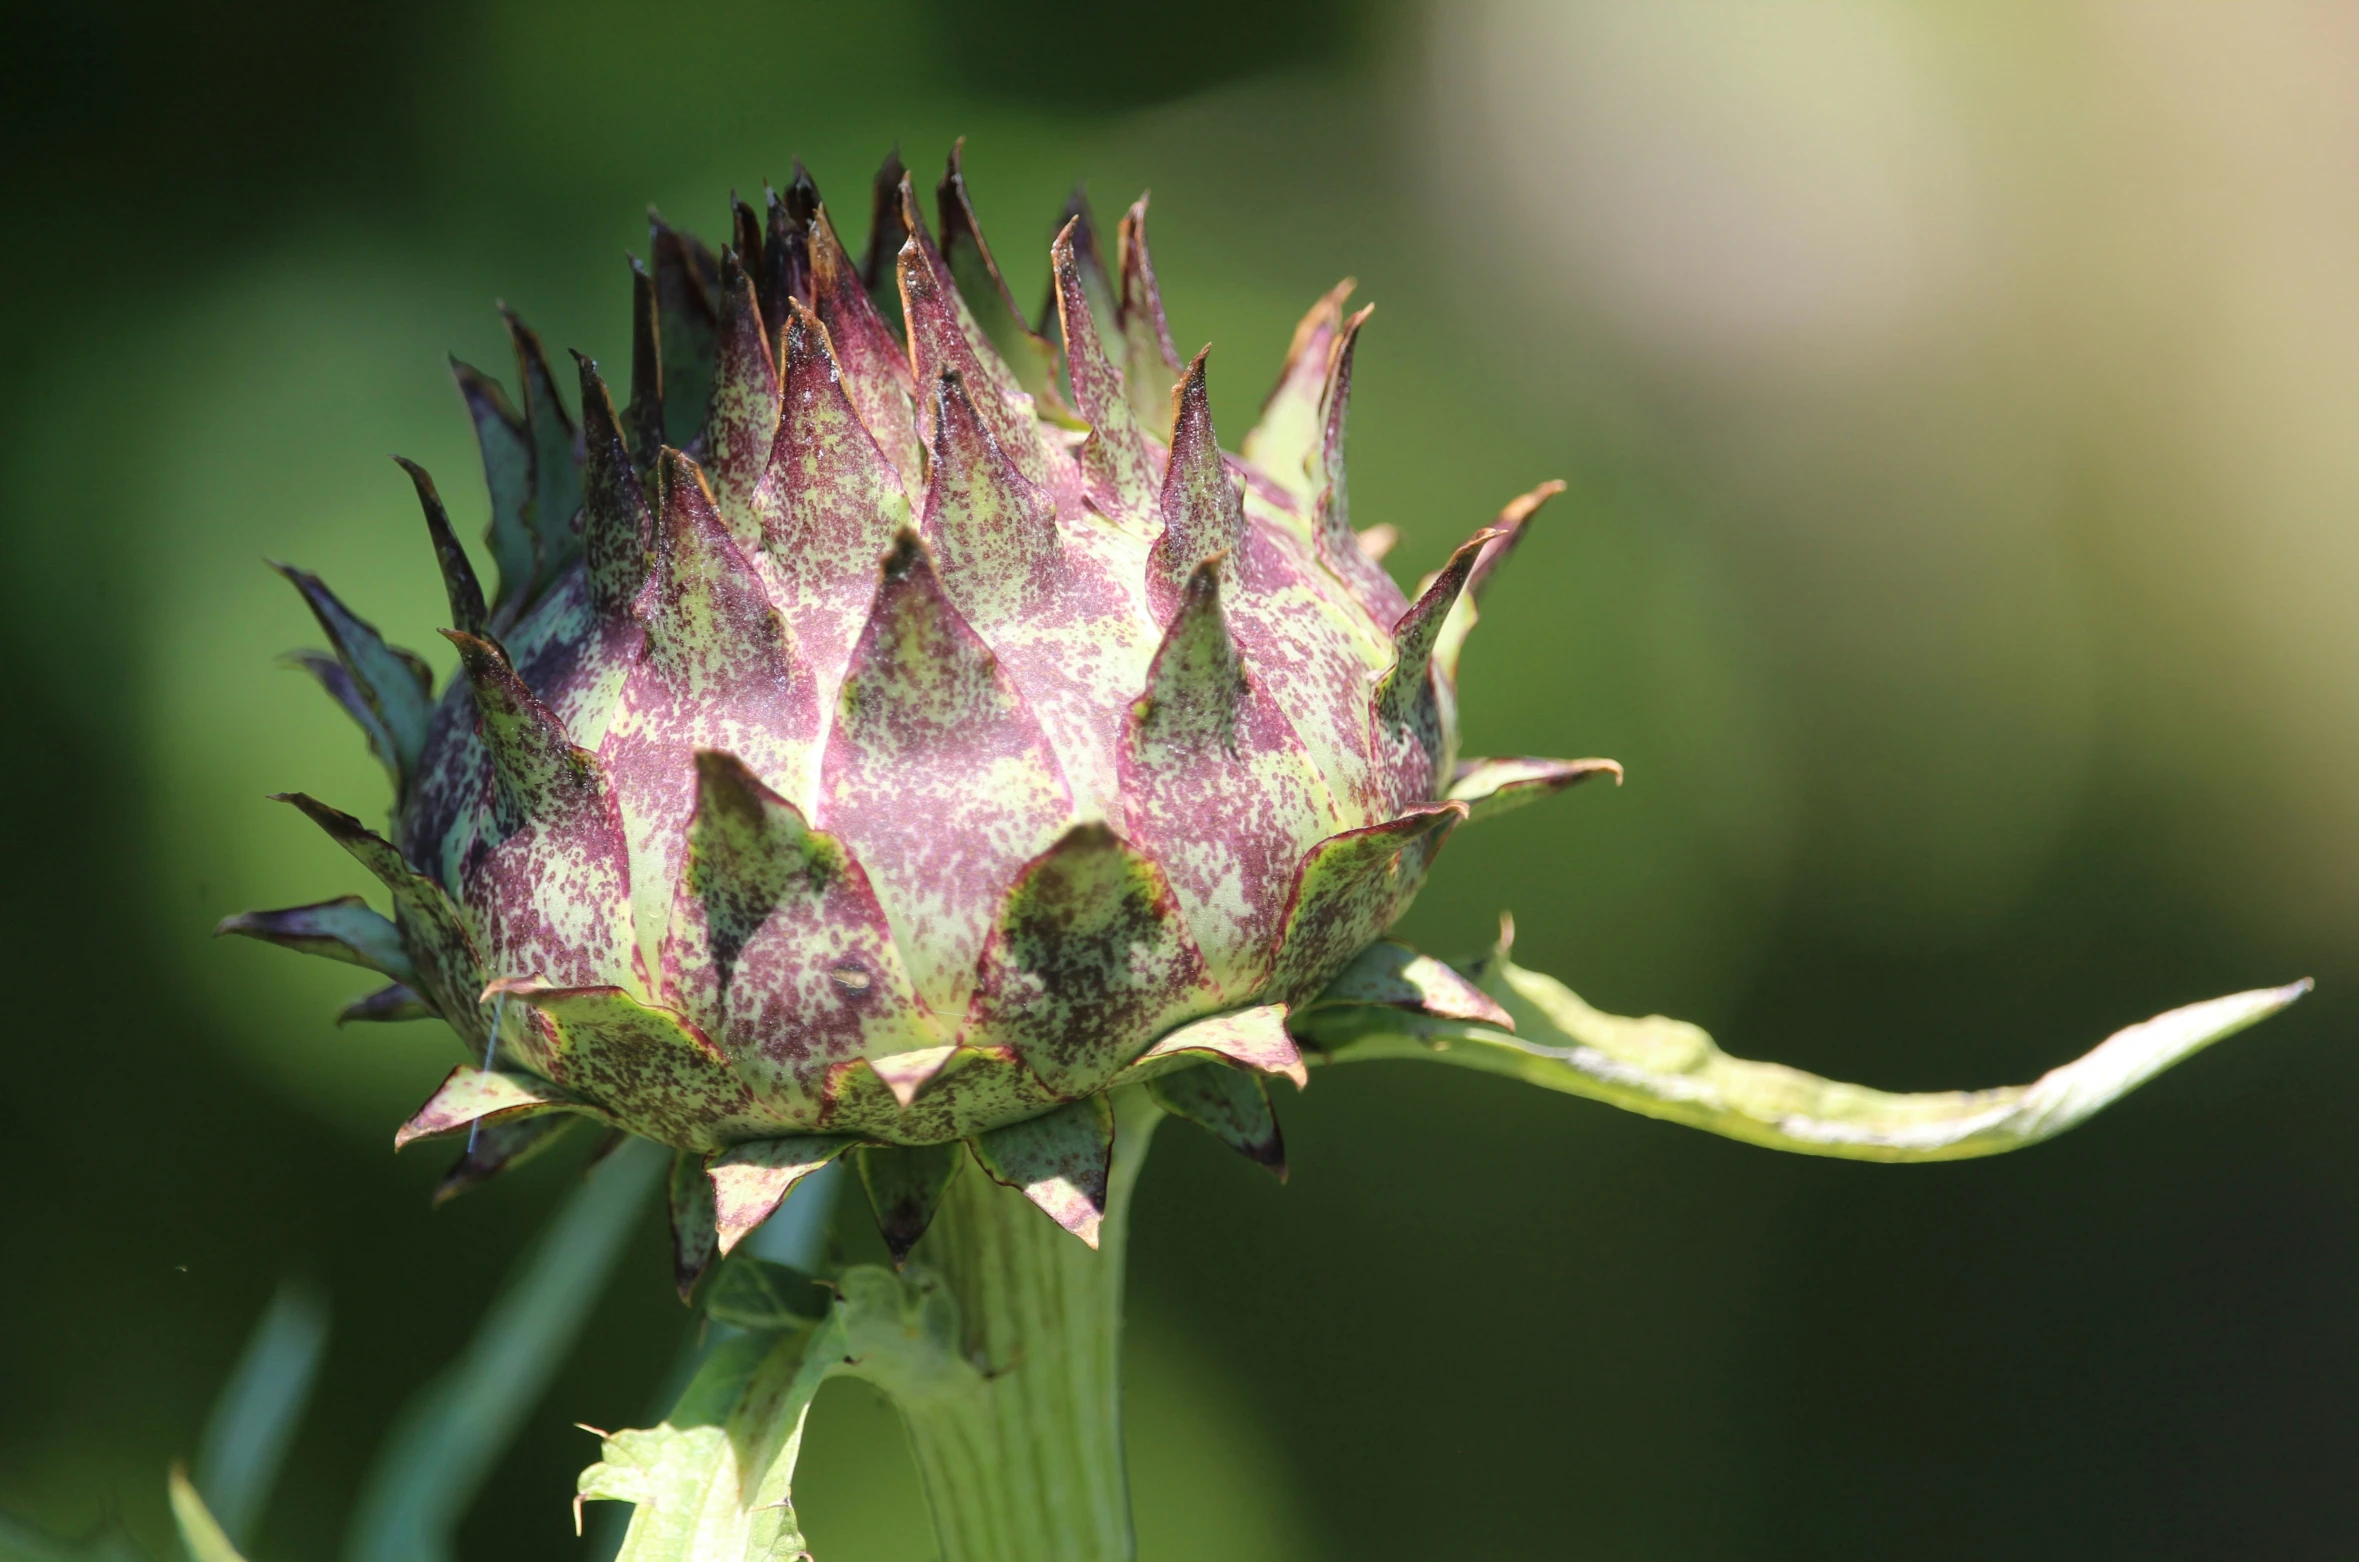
(897, 726)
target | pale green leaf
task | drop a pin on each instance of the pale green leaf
(254, 1416)
(450, 1437)
(1670, 1069)
(711, 1484)
(794, 1239)
(198, 1531)
(714, 1482)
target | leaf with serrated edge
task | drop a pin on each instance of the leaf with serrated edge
(1203, 512)
(1670, 1069)
(993, 532)
(888, 231)
(867, 349)
(1151, 363)
(687, 333)
(644, 416)
(617, 527)
(1338, 546)
(459, 585)
(1315, 651)
(556, 470)
(720, 672)
(507, 473)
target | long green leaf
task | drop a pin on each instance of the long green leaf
(198, 1530)
(254, 1416)
(453, 1432)
(1672, 1070)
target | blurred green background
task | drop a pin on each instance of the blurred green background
(1961, 407)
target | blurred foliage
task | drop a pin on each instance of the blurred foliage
(1112, 55)
(1957, 401)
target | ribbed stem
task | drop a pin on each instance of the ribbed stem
(1030, 1468)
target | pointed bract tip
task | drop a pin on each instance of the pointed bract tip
(481, 654)
(460, 586)
(1204, 580)
(1520, 508)
(586, 367)
(906, 556)
(906, 1074)
(718, 767)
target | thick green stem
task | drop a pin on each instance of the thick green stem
(1030, 1467)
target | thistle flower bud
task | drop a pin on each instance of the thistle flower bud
(898, 726)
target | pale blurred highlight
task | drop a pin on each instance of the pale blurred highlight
(2014, 352)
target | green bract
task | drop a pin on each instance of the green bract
(902, 725)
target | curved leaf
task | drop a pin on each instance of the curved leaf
(449, 1438)
(200, 1533)
(254, 1417)
(1672, 1070)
